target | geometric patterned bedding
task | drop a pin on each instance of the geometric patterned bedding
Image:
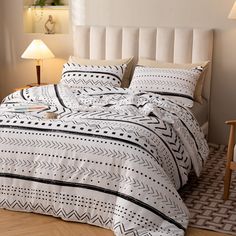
(112, 158)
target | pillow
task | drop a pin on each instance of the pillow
(200, 82)
(82, 76)
(178, 84)
(128, 61)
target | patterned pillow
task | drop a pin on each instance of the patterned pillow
(200, 82)
(178, 84)
(83, 76)
(128, 61)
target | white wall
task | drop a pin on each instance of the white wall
(181, 13)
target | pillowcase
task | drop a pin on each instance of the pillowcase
(83, 76)
(200, 82)
(128, 61)
(178, 84)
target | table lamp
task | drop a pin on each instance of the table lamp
(232, 14)
(37, 50)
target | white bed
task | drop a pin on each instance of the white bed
(113, 158)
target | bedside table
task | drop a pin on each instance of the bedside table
(29, 86)
(20, 88)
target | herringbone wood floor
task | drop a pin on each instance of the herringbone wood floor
(28, 224)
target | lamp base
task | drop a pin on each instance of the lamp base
(36, 85)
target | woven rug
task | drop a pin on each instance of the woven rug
(204, 196)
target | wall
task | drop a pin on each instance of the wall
(181, 13)
(1, 50)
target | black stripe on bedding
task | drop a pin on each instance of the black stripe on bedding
(58, 96)
(99, 189)
(173, 94)
(78, 133)
(22, 94)
(104, 137)
(92, 72)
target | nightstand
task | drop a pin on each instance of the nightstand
(29, 86)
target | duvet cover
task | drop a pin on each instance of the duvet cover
(112, 158)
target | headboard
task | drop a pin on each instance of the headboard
(178, 45)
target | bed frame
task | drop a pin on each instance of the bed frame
(177, 45)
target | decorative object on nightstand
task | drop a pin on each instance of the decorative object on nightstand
(37, 50)
(231, 158)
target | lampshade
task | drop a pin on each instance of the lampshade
(232, 14)
(37, 50)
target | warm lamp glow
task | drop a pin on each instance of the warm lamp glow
(37, 50)
(232, 14)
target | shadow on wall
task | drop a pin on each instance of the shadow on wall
(223, 96)
(9, 49)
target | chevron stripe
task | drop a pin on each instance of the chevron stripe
(85, 82)
(119, 227)
(159, 136)
(45, 129)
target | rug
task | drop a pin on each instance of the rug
(204, 196)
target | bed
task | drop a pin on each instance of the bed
(114, 157)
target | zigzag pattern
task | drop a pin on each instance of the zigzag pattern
(86, 83)
(57, 212)
(86, 217)
(121, 229)
(86, 76)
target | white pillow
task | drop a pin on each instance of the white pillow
(200, 83)
(177, 84)
(128, 61)
(82, 76)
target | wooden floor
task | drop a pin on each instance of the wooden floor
(28, 224)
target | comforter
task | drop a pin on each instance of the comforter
(112, 158)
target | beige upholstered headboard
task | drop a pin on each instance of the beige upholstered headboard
(178, 45)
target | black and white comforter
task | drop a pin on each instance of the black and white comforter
(112, 158)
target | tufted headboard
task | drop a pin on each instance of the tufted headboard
(178, 45)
